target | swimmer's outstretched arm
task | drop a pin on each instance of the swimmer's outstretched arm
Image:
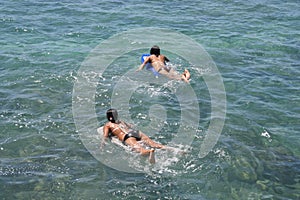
(144, 63)
(105, 136)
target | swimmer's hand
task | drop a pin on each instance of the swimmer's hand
(140, 68)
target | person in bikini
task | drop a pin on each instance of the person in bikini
(158, 62)
(129, 136)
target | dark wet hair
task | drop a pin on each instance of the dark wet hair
(155, 50)
(112, 115)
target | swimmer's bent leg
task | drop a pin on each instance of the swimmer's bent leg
(150, 142)
(146, 152)
(139, 149)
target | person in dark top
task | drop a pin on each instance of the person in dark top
(129, 136)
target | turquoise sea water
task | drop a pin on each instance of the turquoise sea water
(255, 46)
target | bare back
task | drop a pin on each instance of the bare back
(117, 129)
(158, 62)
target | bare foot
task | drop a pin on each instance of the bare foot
(152, 156)
(186, 76)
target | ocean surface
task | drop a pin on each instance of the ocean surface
(256, 48)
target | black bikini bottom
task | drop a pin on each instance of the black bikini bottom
(133, 133)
